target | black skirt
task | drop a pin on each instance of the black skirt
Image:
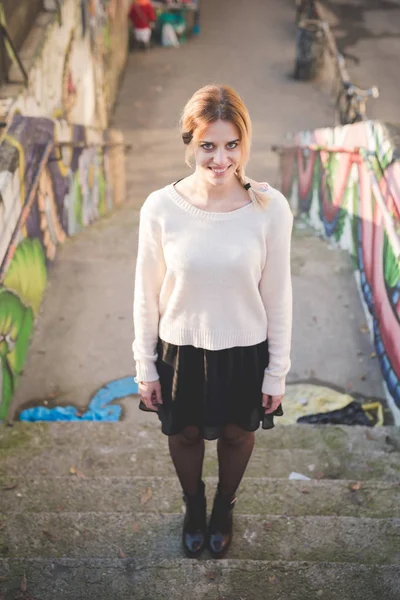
(211, 388)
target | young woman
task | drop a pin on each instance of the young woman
(213, 309)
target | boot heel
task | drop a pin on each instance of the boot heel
(220, 529)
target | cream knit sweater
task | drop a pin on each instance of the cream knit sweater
(213, 280)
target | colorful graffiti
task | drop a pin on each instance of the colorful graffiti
(54, 180)
(346, 183)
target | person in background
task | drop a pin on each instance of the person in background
(142, 16)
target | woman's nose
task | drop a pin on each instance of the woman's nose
(220, 156)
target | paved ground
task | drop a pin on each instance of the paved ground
(84, 334)
(368, 33)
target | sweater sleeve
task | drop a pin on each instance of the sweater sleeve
(276, 292)
(150, 272)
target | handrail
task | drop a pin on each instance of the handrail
(82, 145)
(315, 148)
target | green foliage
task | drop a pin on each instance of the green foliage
(27, 273)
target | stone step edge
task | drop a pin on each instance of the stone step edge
(172, 515)
(208, 562)
(248, 479)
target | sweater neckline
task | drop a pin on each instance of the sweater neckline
(206, 214)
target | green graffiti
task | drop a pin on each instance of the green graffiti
(354, 224)
(102, 191)
(391, 264)
(16, 323)
(27, 274)
(331, 167)
(78, 202)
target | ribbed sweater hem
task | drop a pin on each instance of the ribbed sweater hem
(211, 340)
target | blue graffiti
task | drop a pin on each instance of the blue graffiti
(100, 407)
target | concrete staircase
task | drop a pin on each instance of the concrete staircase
(93, 512)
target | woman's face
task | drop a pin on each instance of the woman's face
(218, 153)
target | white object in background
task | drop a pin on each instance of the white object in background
(169, 37)
(299, 476)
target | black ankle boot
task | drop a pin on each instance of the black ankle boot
(221, 525)
(195, 522)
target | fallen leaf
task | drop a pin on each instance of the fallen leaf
(273, 579)
(268, 525)
(10, 486)
(356, 486)
(136, 528)
(372, 355)
(59, 508)
(212, 575)
(305, 491)
(146, 496)
(122, 553)
(24, 584)
(50, 536)
(363, 377)
(75, 471)
(364, 328)
(44, 471)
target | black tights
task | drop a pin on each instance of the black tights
(234, 450)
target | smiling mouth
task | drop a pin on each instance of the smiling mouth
(219, 171)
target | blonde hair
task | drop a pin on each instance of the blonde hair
(220, 102)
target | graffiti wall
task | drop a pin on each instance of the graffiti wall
(77, 66)
(346, 183)
(55, 178)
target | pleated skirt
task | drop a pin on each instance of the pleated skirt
(210, 389)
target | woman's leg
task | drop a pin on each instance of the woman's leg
(234, 450)
(235, 447)
(187, 453)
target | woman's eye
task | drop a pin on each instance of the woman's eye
(207, 146)
(232, 145)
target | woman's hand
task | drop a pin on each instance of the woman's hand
(271, 403)
(150, 394)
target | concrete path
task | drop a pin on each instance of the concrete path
(368, 33)
(84, 333)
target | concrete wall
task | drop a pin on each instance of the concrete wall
(353, 199)
(74, 63)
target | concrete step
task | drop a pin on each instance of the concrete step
(137, 535)
(34, 436)
(130, 459)
(180, 579)
(256, 496)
